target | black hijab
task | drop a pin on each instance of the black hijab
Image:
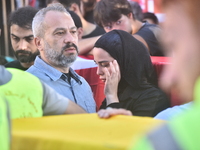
(132, 56)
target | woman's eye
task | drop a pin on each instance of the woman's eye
(105, 64)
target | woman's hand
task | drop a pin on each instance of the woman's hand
(112, 80)
(106, 113)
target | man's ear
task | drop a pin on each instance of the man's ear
(74, 7)
(80, 32)
(130, 16)
(39, 43)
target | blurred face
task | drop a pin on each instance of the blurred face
(59, 46)
(23, 44)
(102, 59)
(182, 43)
(124, 23)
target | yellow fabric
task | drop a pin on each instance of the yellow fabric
(24, 93)
(4, 126)
(78, 132)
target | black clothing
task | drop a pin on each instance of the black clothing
(89, 16)
(96, 32)
(149, 32)
(15, 64)
(136, 91)
(141, 102)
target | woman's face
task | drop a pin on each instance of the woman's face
(102, 59)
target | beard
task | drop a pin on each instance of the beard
(58, 58)
(26, 56)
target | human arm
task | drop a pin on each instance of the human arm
(56, 104)
(86, 45)
(73, 108)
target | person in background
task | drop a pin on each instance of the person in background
(3, 60)
(118, 14)
(174, 111)
(150, 18)
(137, 10)
(55, 35)
(88, 6)
(78, 23)
(22, 40)
(122, 57)
(182, 132)
(89, 29)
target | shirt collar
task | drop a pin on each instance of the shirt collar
(53, 73)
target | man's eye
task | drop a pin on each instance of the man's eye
(73, 31)
(29, 39)
(118, 22)
(108, 27)
(60, 33)
(15, 38)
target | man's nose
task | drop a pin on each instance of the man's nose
(114, 27)
(70, 38)
(23, 45)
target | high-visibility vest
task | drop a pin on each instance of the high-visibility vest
(4, 125)
(180, 133)
(24, 93)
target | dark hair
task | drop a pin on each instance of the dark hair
(68, 3)
(23, 17)
(107, 11)
(152, 16)
(76, 19)
(132, 56)
(137, 10)
(3, 60)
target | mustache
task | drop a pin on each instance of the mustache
(22, 51)
(68, 45)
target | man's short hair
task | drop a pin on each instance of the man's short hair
(137, 10)
(152, 16)
(107, 11)
(68, 3)
(23, 17)
(38, 24)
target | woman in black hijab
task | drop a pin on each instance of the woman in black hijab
(129, 81)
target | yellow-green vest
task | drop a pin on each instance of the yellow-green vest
(4, 125)
(24, 93)
(182, 132)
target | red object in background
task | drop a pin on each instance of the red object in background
(32, 3)
(159, 63)
(97, 85)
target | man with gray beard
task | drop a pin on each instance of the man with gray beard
(55, 36)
